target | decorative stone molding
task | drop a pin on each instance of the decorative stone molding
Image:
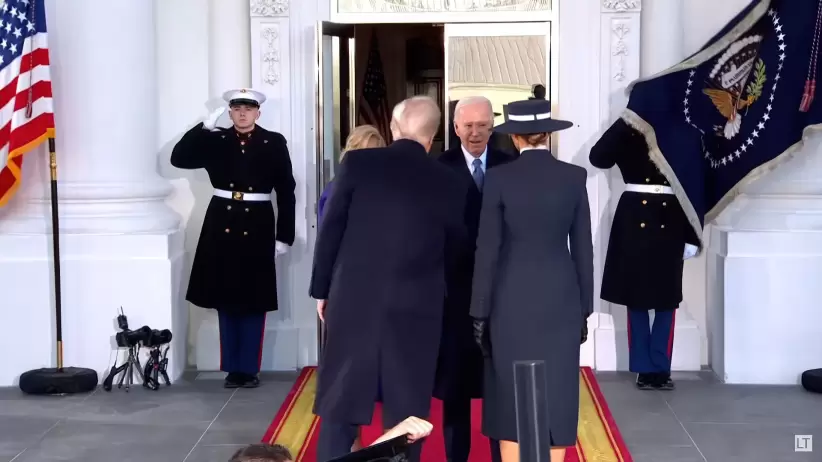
(270, 54)
(622, 5)
(269, 7)
(619, 48)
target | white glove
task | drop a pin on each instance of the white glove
(210, 123)
(280, 248)
(690, 251)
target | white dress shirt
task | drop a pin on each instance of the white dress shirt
(469, 159)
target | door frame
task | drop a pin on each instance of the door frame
(328, 30)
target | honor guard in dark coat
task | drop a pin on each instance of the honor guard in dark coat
(533, 278)
(650, 238)
(390, 237)
(459, 371)
(234, 267)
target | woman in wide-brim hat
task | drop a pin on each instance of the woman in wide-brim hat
(531, 295)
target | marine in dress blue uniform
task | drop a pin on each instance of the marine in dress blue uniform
(650, 239)
(234, 267)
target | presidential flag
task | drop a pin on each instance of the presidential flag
(26, 114)
(737, 108)
(374, 102)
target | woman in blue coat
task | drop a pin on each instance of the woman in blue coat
(362, 137)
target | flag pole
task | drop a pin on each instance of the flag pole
(55, 237)
(60, 380)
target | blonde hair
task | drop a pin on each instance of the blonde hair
(364, 136)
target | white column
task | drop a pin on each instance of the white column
(662, 33)
(120, 244)
(229, 46)
(104, 83)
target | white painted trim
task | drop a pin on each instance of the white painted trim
(444, 18)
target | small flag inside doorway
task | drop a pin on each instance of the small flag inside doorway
(373, 105)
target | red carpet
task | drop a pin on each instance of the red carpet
(599, 440)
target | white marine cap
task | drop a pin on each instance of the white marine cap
(244, 96)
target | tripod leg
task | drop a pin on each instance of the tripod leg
(122, 371)
(163, 371)
(139, 369)
(164, 367)
(111, 375)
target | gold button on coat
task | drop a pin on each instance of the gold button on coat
(647, 180)
(644, 202)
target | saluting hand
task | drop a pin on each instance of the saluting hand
(321, 309)
(210, 123)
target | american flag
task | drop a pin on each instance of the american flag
(374, 101)
(26, 112)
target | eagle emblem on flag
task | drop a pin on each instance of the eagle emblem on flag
(734, 83)
(727, 79)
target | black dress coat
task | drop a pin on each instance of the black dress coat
(460, 363)
(391, 234)
(644, 262)
(234, 269)
(534, 292)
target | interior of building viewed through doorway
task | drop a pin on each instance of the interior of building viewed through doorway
(501, 61)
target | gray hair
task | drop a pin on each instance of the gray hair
(396, 114)
(472, 100)
(420, 119)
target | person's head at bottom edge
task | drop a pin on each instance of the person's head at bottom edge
(262, 453)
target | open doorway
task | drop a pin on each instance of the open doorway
(366, 69)
(412, 57)
(363, 70)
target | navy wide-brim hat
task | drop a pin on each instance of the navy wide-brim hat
(530, 116)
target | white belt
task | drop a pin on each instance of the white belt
(241, 196)
(649, 188)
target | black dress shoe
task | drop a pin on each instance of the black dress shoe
(644, 382)
(251, 381)
(664, 382)
(233, 380)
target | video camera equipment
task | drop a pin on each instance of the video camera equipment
(133, 340)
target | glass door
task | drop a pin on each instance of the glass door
(501, 61)
(336, 106)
